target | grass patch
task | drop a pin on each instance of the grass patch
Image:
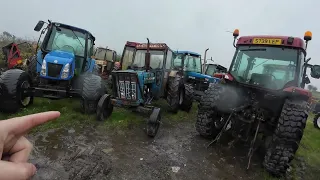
(69, 109)
(71, 116)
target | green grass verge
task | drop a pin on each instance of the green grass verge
(71, 116)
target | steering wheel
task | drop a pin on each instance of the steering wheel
(241, 79)
(274, 78)
(273, 83)
(68, 46)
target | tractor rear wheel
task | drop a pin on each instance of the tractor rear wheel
(13, 82)
(175, 87)
(286, 137)
(187, 98)
(92, 90)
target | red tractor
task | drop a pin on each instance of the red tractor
(262, 98)
(12, 57)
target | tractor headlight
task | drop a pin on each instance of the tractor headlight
(44, 68)
(65, 71)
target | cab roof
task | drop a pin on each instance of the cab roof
(188, 52)
(75, 28)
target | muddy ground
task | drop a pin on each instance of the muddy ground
(178, 152)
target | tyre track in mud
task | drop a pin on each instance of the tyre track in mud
(177, 152)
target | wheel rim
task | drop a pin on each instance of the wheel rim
(318, 122)
(180, 97)
(25, 100)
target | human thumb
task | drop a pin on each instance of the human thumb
(16, 171)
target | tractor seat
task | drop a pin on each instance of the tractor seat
(260, 79)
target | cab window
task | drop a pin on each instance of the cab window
(127, 58)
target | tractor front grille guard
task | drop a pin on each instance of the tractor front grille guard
(126, 86)
(54, 70)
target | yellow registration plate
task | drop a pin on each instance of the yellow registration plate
(267, 41)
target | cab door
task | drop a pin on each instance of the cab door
(157, 65)
(167, 68)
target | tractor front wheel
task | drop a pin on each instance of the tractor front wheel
(13, 83)
(153, 123)
(286, 137)
(92, 90)
(316, 121)
(105, 107)
(32, 68)
(209, 120)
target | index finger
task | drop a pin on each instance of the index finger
(21, 125)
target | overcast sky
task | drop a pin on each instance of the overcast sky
(183, 24)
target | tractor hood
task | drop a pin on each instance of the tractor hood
(201, 76)
(59, 65)
(59, 57)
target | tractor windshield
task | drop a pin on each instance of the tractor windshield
(191, 63)
(264, 66)
(214, 68)
(104, 54)
(211, 69)
(67, 40)
(156, 59)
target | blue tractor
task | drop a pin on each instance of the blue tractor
(61, 68)
(189, 68)
(146, 74)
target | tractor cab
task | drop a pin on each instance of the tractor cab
(271, 62)
(105, 59)
(214, 69)
(134, 56)
(65, 52)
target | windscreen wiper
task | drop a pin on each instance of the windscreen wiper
(77, 38)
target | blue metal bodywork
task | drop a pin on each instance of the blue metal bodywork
(143, 79)
(207, 78)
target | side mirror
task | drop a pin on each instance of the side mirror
(147, 60)
(39, 26)
(315, 71)
(306, 80)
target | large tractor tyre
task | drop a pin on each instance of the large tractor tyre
(92, 90)
(13, 82)
(316, 121)
(175, 89)
(209, 120)
(286, 137)
(32, 67)
(187, 98)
